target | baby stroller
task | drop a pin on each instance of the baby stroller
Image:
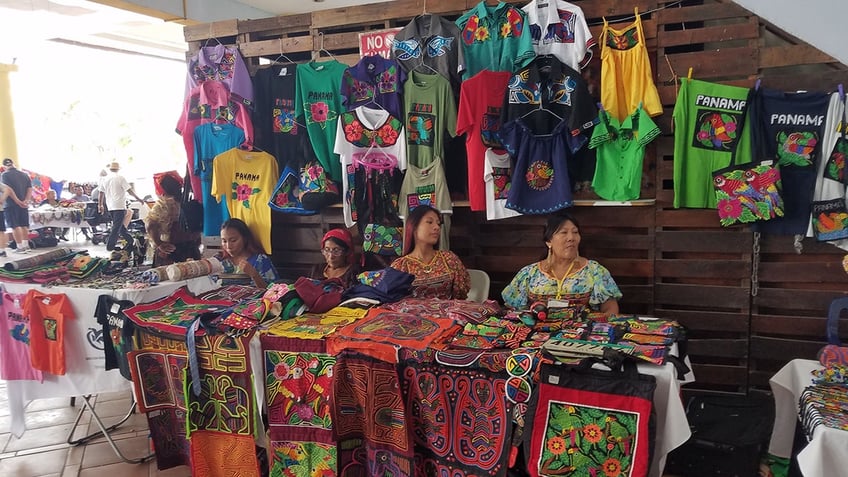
(99, 223)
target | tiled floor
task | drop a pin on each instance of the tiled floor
(43, 449)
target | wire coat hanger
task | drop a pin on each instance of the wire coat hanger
(321, 36)
(282, 55)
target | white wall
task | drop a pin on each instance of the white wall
(821, 23)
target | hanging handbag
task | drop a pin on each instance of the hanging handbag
(587, 421)
(748, 192)
(383, 240)
(191, 210)
(830, 217)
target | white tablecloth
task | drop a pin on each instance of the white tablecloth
(48, 217)
(826, 455)
(85, 361)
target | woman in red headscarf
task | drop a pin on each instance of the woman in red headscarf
(340, 259)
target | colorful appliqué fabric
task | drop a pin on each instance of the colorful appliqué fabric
(444, 277)
(459, 417)
(217, 454)
(173, 314)
(299, 390)
(370, 418)
(382, 332)
(311, 326)
(592, 283)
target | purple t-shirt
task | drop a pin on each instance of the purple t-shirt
(374, 79)
(221, 63)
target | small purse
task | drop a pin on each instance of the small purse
(749, 192)
(383, 240)
(830, 217)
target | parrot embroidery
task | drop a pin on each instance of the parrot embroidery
(796, 148)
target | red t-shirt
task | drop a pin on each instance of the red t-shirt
(480, 103)
(47, 314)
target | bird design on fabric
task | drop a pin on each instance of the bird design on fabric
(719, 130)
(797, 148)
(761, 181)
(731, 187)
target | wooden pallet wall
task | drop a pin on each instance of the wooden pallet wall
(676, 263)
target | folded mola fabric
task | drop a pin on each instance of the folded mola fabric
(194, 268)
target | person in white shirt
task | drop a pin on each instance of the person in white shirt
(113, 198)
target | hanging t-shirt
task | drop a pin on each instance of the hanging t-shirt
(559, 28)
(15, 335)
(428, 186)
(621, 150)
(790, 128)
(373, 154)
(706, 131)
(210, 140)
(830, 177)
(117, 332)
(319, 101)
(498, 176)
(626, 78)
(548, 83)
(374, 80)
(245, 181)
(494, 38)
(47, 315)
(210, 102)
(278, 131)
(540, 183)
(221, 63)
(433, 42)
(479, 118)
(430, 113)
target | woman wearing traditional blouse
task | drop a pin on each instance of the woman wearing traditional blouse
(337, 248)
(242, 253)
(563, 275)
(170, 243)
(438, 273)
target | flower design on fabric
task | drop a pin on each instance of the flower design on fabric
(593, 433)
(729, 209)
(387, 134)
(505, 30)
(481, 34)
(556, 445)
(284, 121)
(243, 192)
(612, 468)
(625, 41)
(353, 131)
(539, 175)
(835, 169)
(320, 111)
(387, 82)
(281, 371)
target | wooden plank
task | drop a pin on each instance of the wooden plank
(276, 47)
(777, 56)
(279, 25)
(375, 12)
(727, 269)
(795, 299)
(784, 349)
(203, 31)
(710, 297)
(807, 272)
(796, 326)
(688, 218)
(608, 8)
(700, 13)
(817, 81)
(717, 63)
(726, 241)
(711, 34)
(723, 348)
(719, 377)
(706, 320)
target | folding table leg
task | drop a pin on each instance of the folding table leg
(104, 431)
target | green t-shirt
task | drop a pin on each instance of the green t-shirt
(430, 112)
(706, 130)
(318, 102)
(620, 152)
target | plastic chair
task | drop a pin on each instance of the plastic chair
(836, 307)
(479, 291)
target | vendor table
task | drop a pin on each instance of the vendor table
(86, 369)
(825, 455)
(63, 217)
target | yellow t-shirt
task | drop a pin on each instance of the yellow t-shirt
(246, 180)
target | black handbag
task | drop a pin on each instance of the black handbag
(191, 210)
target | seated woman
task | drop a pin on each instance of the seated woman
(242, 253)
(337, 248)
(438, 273)
(169, 242)
(563, 275)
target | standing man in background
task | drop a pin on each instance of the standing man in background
(17, 210)
(113, 198)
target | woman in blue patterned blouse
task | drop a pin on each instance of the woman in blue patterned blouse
(563, 275)
(242, 254)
